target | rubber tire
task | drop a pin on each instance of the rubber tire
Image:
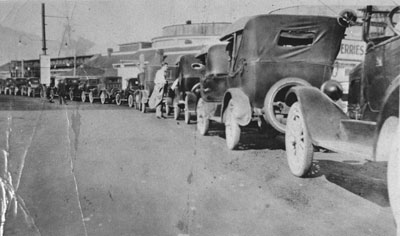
(167, 109)
(103, 97)
(187, 112)
(130, 101)
(143, 108)
(390, 132)
(118, 99)
(177, 112)
(297, 136)
(71, 95)
(232, 128)
(91, 98)
(271, 94)
(203, 124)
(83, 96)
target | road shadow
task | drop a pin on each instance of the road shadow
(250, 138)
(367, 180)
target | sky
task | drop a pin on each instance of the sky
(111, 22)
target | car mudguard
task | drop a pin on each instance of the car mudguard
(322, 116)
(242, 107)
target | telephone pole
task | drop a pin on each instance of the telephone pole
(43, 30)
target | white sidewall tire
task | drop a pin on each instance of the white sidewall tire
(177, 111)
(299, 148)
(203, 123)
(83, 96)
(393, 174)
(91, 99)
(130, 100)
(232, 129)
(118, 99)
(102, 97)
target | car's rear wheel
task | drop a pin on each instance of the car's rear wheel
(103, 97)
(299, 148)
(177, 111)
(71, 95)
(390, 132)
(118, 99)
(232, 128)
(203, 123)
(187, 112)
(91, 98)
(130, 100)
(143, 107)
(83, 96)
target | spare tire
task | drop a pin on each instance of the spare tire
(276, 97)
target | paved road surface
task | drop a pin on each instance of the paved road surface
(92, 169)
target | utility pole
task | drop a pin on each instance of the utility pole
(43, 30)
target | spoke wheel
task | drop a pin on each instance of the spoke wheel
(203, 122)
(118, 99)
(390, 132)
(130, 100)
(143, 107)
(299, 148)
(177, 111)
(187, 112)
(232, 129)
(91, 99)
(103, 97)
(83, 96)
(71, 95)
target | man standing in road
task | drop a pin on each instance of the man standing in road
(61, 92)
(158, 92)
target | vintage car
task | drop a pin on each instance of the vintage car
(213, 84)
(20, 85)
(9, 86)
(269, 54)
(71, 87)
(148, 86)
(128, 93)
(106, 89)
(370, 130)
(33, 87)
(85, 85)
(2, 85)
(185, 92)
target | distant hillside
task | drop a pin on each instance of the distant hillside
(17, 45)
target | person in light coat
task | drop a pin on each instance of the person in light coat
(156, 97)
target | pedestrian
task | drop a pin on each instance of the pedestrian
(156, 98)
(61, 92)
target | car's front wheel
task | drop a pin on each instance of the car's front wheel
(91, 98)
(232, 128)
(130, 100)
(118, 99)
(71, 95)
(299, 148)
(103, 97)
(83, 96)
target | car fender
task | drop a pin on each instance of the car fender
(242, 107)
(322, 116)
(390, 107)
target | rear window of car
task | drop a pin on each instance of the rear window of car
(294, 38)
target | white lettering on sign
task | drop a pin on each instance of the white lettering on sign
(352, 50)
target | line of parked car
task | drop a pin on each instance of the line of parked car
(274, 71)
